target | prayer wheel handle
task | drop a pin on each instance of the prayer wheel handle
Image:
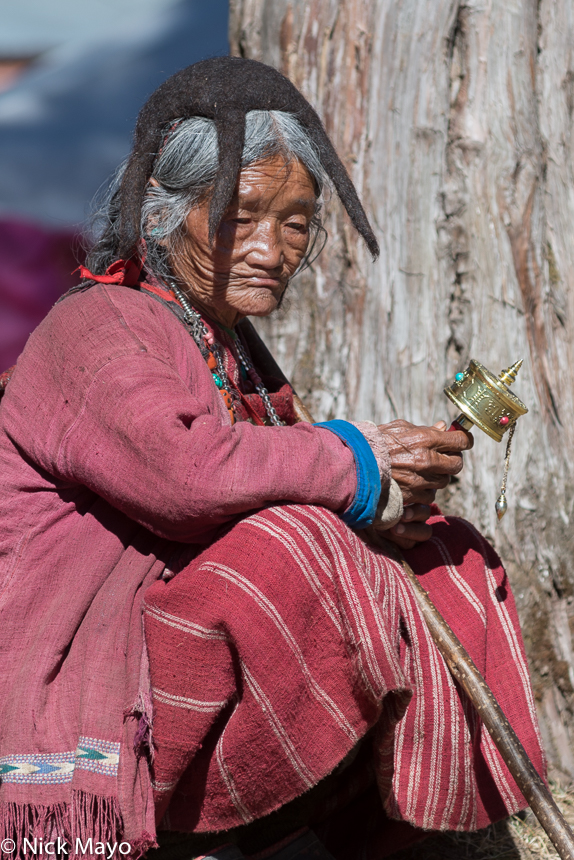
(459, 662)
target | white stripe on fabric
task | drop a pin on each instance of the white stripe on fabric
(511, 634)
(332, 538)
(227, 778)
(164, 786)
(437, 705)
(487, 744)
(460, 581)
(458, 745)
(187, 703)
(363, 639)
(271, 611)
(313, 515)
(412, 656)
(311, 543)
(472, 721)
(279, 730)
(492, 757)
(453, 722)
(184, 624)
(437, 696)
(439, 732)
(454, 776)
(386, 608)
(304, 565)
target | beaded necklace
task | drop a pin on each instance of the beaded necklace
(207, 344)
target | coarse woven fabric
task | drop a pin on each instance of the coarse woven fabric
(116, 450)
(362, 512)
(280, 645)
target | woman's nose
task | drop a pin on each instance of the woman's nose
(266, 246)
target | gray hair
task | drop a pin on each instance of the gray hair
(185, 171)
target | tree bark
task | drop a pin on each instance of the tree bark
(455, 120)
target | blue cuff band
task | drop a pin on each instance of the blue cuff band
(362, 512)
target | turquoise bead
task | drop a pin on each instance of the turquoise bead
(218, 380)
(459, 377)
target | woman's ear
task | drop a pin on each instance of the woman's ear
(153, 181)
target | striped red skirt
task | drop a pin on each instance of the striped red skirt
(289, 644)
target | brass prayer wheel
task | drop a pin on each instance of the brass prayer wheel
(486, 400)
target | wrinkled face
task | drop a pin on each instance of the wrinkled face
(261, 241)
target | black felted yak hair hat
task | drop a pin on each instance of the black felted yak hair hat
(224, 89)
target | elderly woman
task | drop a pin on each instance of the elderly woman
(282, 678)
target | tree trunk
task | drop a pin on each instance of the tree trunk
(455, 121)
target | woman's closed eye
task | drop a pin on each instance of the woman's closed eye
(299, 226)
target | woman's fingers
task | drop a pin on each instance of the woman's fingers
(446, 464)
(418, 496)
(407, 534)
(416, 513)
(412, 528)
(428, 479)
(400, 542)
(455, 440)
(429, 465)
(424, 458)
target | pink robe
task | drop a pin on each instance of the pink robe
(116, 451)
(115, 448)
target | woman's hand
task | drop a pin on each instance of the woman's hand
(412, 527)
(424, 458)
(422, 462)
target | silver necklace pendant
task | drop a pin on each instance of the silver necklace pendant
(199, 332)
(259, 387)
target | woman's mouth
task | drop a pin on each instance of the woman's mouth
(270, 283)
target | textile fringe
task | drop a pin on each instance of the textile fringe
(142, 845)
(25, 821)
(95, 817)
(88, 820)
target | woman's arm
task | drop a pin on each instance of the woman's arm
(148, 446)
(111, 393)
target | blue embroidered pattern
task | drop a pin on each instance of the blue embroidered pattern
(43, 769)
(98, 756)
(49, 768)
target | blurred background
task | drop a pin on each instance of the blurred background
(73, 76)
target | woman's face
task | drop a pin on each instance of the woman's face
(261, 241)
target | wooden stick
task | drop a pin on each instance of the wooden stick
(463, 669)
(460, 664)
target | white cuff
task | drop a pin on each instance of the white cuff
(390, 507)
